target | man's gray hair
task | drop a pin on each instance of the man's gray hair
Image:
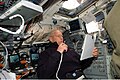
(56, 27)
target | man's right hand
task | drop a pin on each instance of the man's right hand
(62, 47)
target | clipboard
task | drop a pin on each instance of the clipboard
(87, 47)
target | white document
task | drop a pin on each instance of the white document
(87, 47)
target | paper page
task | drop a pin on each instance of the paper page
(87, 47)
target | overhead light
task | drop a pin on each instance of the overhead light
(70, 4)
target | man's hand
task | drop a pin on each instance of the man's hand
(62, 47)
(95, 52)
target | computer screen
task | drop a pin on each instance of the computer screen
(14, 58)
(74, 25)
(14, 61)
(34, 59)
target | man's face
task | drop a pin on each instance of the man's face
(57, 37)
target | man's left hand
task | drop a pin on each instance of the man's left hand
(95, 52)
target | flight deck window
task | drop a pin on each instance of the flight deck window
(99, 16)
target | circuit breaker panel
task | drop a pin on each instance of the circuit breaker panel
(100, 68)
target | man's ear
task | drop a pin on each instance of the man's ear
(51, 39)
